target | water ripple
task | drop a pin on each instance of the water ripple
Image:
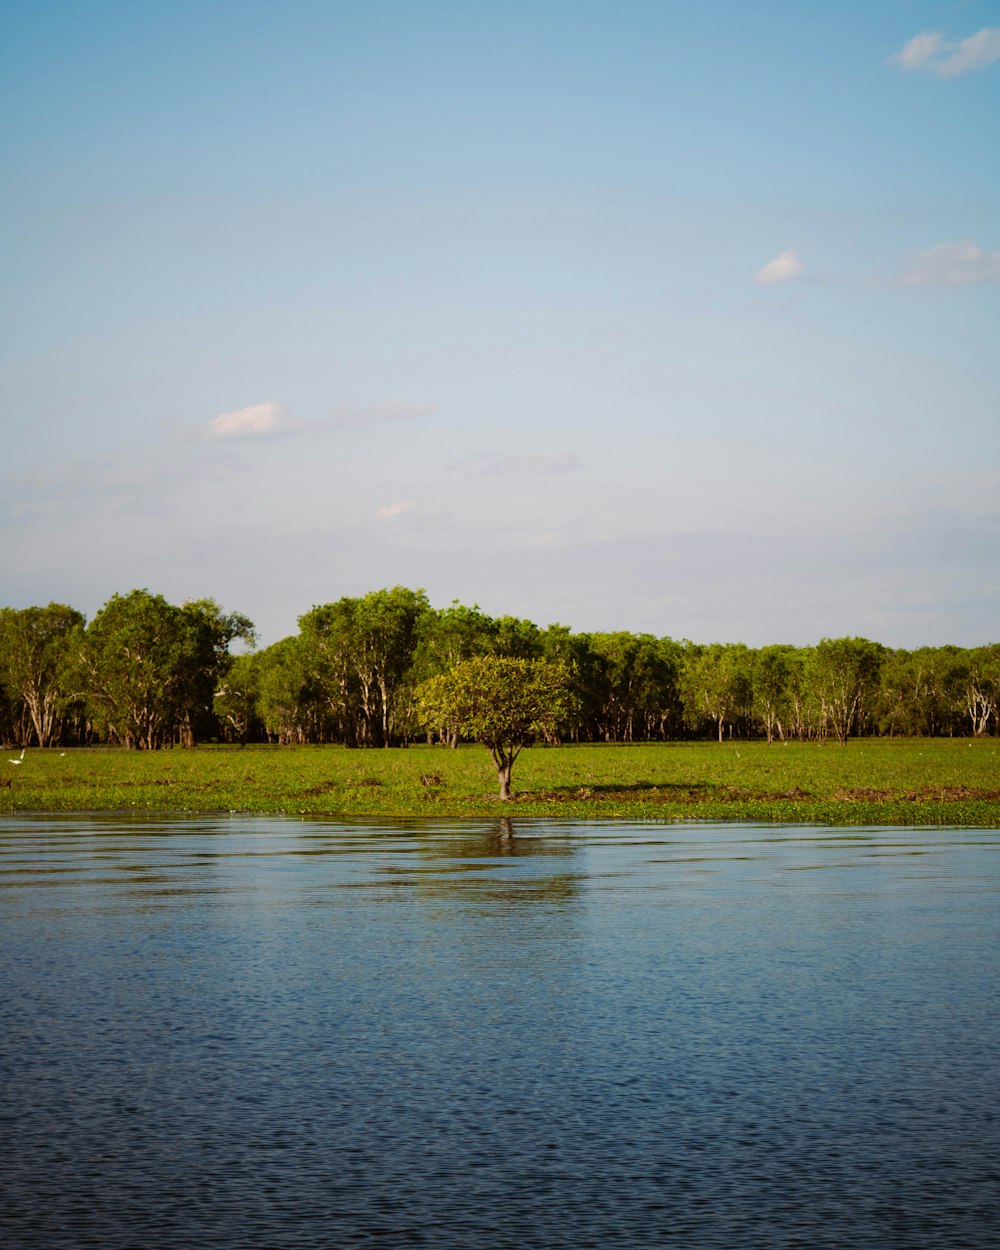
(257, 1033)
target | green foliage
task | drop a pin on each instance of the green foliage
(844, 672)
(982, 688)
(290, 703)
(36, 645)
(448, 636)
(237, 696)
(205, 659)
(638, 685)
(146, 673)
(359, 653)
(922, 692)
(501, 702)
(131, 655)
(150, 668)
(718, 686)
(772, 689)
(588, 667)
(518, 639)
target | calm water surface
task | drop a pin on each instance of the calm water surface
(252, 1032)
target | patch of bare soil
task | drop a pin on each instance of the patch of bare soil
(927, 794)
(694, 795)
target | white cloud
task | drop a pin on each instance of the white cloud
(951, 264)
(782, 269)
(389, 510)
(414, 517)
(254, 421)
(271, 420)
(948, 58)
(920, 51)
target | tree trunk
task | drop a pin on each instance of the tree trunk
(504, 760)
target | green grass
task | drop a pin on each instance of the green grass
(870, 782)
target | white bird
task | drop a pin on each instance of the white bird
(19, 759)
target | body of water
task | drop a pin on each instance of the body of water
(253, 1032)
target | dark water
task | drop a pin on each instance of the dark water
(270, 1033)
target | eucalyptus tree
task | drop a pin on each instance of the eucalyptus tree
(803, 708)
(287, 697)
(236, 698)
(518, 638)
(899, 693)
(982, 688)
(640, 684)
(502, 702)
(151, 668)
(132, 657)
(360, 653)
(446, 636)
(15, 719)
(717, 686)
(204, 660)
(772, 697)
(35, 664)
(922, 691)
(6, 713)
(589, 675)
(670, 665)
(843, 673)
(389, 630)
(324, 650)
(944, 671)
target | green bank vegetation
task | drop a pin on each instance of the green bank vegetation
(713, 730)
(875, 781)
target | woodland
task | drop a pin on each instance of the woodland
(147, 674)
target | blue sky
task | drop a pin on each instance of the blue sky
(666, 317)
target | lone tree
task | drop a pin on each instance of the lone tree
(505, 704)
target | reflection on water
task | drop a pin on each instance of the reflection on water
(249, 1032)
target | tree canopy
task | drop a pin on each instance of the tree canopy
(502, 702)
(151, 668)
(35, 665)
(146, 673)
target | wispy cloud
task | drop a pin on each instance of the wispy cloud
(782, 269)
(390, 510)
(272, 420)
(414, 516)
(951, 264)
(949, 58)
(254, 421)
(141, 483)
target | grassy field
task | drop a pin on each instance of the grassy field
(872, 782)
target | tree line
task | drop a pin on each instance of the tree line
(145, 673)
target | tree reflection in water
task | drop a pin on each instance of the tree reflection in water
(495, 864)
